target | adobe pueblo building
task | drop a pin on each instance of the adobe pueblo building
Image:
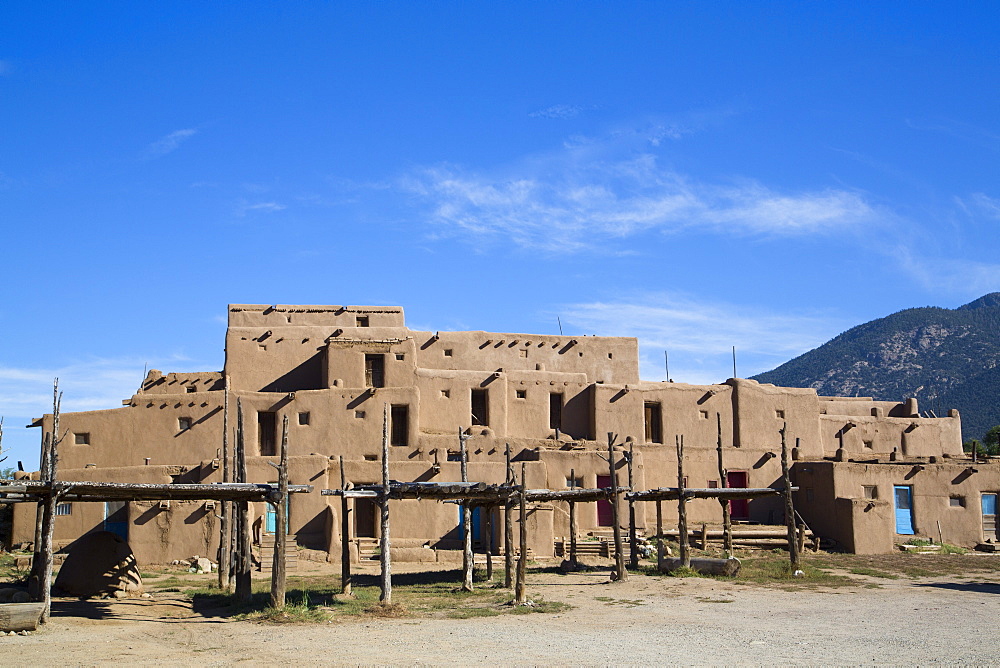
(870, 473)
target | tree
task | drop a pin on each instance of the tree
(974, 445)
(991, 441)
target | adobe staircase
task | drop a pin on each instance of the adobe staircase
(368, 548)
(267, 553)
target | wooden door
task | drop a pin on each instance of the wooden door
(903, 495)
(116, 518)
(605, 511)
(364, 518)
(739, 509)
(989, 504)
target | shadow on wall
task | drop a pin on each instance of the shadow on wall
(306, 376)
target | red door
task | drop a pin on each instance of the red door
(605, 513)
(739, 509)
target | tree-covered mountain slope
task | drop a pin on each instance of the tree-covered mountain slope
(947, 358)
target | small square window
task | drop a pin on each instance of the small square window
(869, 444)
(522, 394)
(445, 394)
(184, 423)
(82, 438)
(703, 415)
(304, 418)
(362, 321)
(447, 352)
(400, 356)
(957, 502)
(64, 509)
(713, 484)
(523, 353)
(371, 458)
(780, 414)
(191, 389)
(359, 414)
(576, 483)
(871, 491)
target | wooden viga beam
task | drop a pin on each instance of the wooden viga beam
(445, 491)
(671, 493)
(123, 491)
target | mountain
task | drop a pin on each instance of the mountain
(947, 358)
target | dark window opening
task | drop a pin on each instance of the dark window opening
(64, 509)
(871, 491)
(375, 370)
(399, 418)
(654, 424)
(266, 441)
(81, 439)
(713, 484)
(574, 483)
(447, 352)
(957, 502)
(362, 321)
(184, 423)
(555, 410)
(480, 408)
(190, 389)
(522, 394)
(400, 356)
(304, 418)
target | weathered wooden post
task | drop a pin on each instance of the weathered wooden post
(49, 514)
(386, 542)
(467, 558)
(225, 510)
(522, 561)
(345, 535)
(243, 581)
(508, 528)
(35, 578)
(572, 524)
(280, 518)
(660, 551)
(793, 543)
(727, 520)
(488, 510)
(621, 574)
(682, 527)
(633, 547)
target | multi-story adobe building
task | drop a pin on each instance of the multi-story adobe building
(870, 473)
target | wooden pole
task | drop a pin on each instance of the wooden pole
(345, 536)
(467, 558)
(243, 581)
(727, 520)
(489, 542)
(280, 518)
(225, 510)
(793, 543)
(572, 524)
(660, 552)
(386, 542)
(508, 529)
(49, 514)
(35, 579)
(522, 561)
(633, 547)
(621, 574)
(682, 527)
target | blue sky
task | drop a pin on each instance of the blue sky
(699, 175)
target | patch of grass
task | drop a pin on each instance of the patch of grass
(714, 600)
(871, 572)
(685, 572)
(540, 606)
(300, 612)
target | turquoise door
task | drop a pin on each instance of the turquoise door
(904, 509)
(271, 519)
(116, 518)
(990, 516)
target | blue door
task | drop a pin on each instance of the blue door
(990, 516)
(271, 519)
(116, 518)
(477, 529)
(904, 509)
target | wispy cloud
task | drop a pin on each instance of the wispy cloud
(980, 204)
(169, 143)
(699, 334)
(264, 207)
(557, 111)
(948, 275)
(580, 197)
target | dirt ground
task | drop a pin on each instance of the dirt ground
(647, 620)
